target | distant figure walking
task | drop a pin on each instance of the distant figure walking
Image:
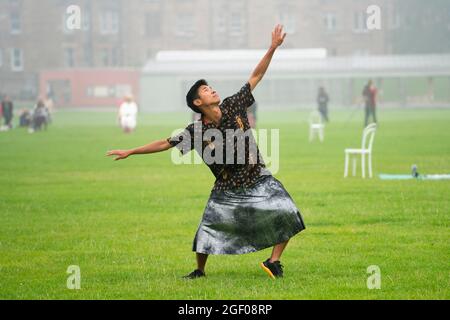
(8, 113)
(370, 98)
(322, 101)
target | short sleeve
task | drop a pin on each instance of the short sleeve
(245, 96)
(242, 100)
(184, 141)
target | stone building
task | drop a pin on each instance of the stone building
(121, 34)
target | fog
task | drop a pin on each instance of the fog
(89, 54)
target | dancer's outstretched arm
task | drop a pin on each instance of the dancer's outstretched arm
(154, 147)
(277, 40)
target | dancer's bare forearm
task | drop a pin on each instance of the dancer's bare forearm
(261, 68)
(154, 147)
(277, 40)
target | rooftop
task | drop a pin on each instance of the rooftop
(309, 62)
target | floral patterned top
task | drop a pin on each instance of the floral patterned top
(222, 147)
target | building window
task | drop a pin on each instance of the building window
(361, 52)
(69, 57)
(105, 91)
(330, 22)
(66, 30)
(185, 25)
(359, 22)
(15, 23)
(109, 22)
(287, 19)
(115, 57)
(87, 56)
(394, 19)
(153, 24)
(105, 57)
(236, 24)
(86, 21)
(221, 23)
(17, 60)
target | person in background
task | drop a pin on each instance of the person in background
(128, 114)
(50, 107)
(25, 118)
(1, 111)
(322, 101)
(370, 99)
(8, 113)
(40, 117)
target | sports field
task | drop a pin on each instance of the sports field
(129, 225)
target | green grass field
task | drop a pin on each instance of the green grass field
(129, 225)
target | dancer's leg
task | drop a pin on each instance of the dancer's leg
(201, 261)
(273, 266)
(278, 251)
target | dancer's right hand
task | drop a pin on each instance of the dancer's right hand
(121, 154)
(278, 36)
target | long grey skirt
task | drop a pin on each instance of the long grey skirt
(248, 219)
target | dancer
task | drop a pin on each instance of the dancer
(248, 209)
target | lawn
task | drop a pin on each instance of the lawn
(129, 225)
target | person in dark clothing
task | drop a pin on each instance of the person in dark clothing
(25, 118)
(370, 99)
(8, 112)
(322, 101)
(248, 209)
(40, 117)
(1, 108)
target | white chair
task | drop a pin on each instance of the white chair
(316, 127)
(366, 149)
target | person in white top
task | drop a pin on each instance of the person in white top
(128, 114)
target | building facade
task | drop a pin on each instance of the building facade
(34, 35)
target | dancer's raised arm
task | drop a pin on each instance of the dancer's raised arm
(277, 40)
(154, 147)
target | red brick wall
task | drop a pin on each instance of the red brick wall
(86, 86)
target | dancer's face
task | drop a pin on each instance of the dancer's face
(207, 97)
